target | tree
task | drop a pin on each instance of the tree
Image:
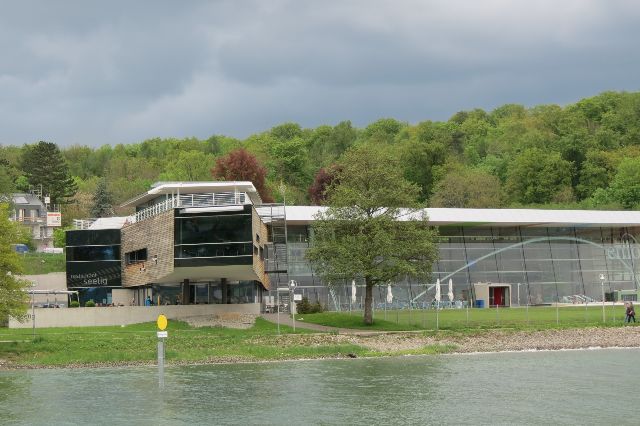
(536, 176)
(420, 161)
(6, 182)
(189, 166)
(44, 165)
(240, 165)
(324, 178)
(625, 187)
(102, 201)
(465, 188)
(13, 298)
(365, 233)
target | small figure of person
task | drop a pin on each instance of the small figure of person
(630, 312)
(147, 301)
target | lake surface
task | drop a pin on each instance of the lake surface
(566, 387)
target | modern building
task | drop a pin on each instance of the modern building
(40, 217)
(216, 242)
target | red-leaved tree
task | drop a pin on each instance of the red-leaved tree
(240, 165)
(324, 178)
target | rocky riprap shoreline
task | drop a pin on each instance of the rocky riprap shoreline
(228, 320)
(468, 342)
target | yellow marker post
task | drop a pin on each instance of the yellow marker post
(162, 322)
(162, 334)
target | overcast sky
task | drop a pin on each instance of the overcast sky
(107, 72)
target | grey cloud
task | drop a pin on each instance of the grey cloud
(111, 72)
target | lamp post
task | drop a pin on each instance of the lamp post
(602, 286)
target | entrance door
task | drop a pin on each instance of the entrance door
(496, 296)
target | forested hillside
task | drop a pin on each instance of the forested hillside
(584, 155)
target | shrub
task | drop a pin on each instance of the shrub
(304, 307)
(317, 308)
(90, 304)
(74, 304)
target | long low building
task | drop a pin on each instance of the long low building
(217, 243)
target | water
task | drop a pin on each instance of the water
(567, 387)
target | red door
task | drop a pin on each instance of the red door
(498, 296)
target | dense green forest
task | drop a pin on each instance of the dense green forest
(584, 155)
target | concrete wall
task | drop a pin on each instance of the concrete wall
(124, 315)
(52, 281)
(122, 296)
(156, 235)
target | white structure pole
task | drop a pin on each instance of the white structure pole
(602, 286)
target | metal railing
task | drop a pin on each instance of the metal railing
(193, 200)
(82, 224)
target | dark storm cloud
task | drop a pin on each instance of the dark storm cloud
(94, 72)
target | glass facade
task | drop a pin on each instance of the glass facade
(541, 264)
(209, 292)
(93, 259)
(213, 239)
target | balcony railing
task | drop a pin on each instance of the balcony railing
(29, 220)
(193, 200)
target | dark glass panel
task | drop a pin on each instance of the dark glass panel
(213, 229)
(213, 250)
(93, 237)
(93, 253)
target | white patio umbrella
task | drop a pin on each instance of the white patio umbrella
(438, 297)
(389, 294)
(450, 294)
(353, 291)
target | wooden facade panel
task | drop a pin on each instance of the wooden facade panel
(156, 234)
(260, 236)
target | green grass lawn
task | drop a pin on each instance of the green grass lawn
(43, 263)
(138, 343)
(459, 319)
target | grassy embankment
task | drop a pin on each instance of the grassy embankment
(456, 319)
(85, 346)
(137, 344)
(43, 263)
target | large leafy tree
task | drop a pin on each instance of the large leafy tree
(323, 180)
(240, 165)
(625, 187)
(189, 166)
(537, 176)
(13, 298)
(374, 228)
(466, 188)
(44, 165)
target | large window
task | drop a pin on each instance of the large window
(93, 253)
(213, 239)
(213, 229)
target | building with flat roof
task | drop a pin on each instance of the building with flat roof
(216, 242)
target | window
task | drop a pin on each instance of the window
(136, 256)
(93, 253)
